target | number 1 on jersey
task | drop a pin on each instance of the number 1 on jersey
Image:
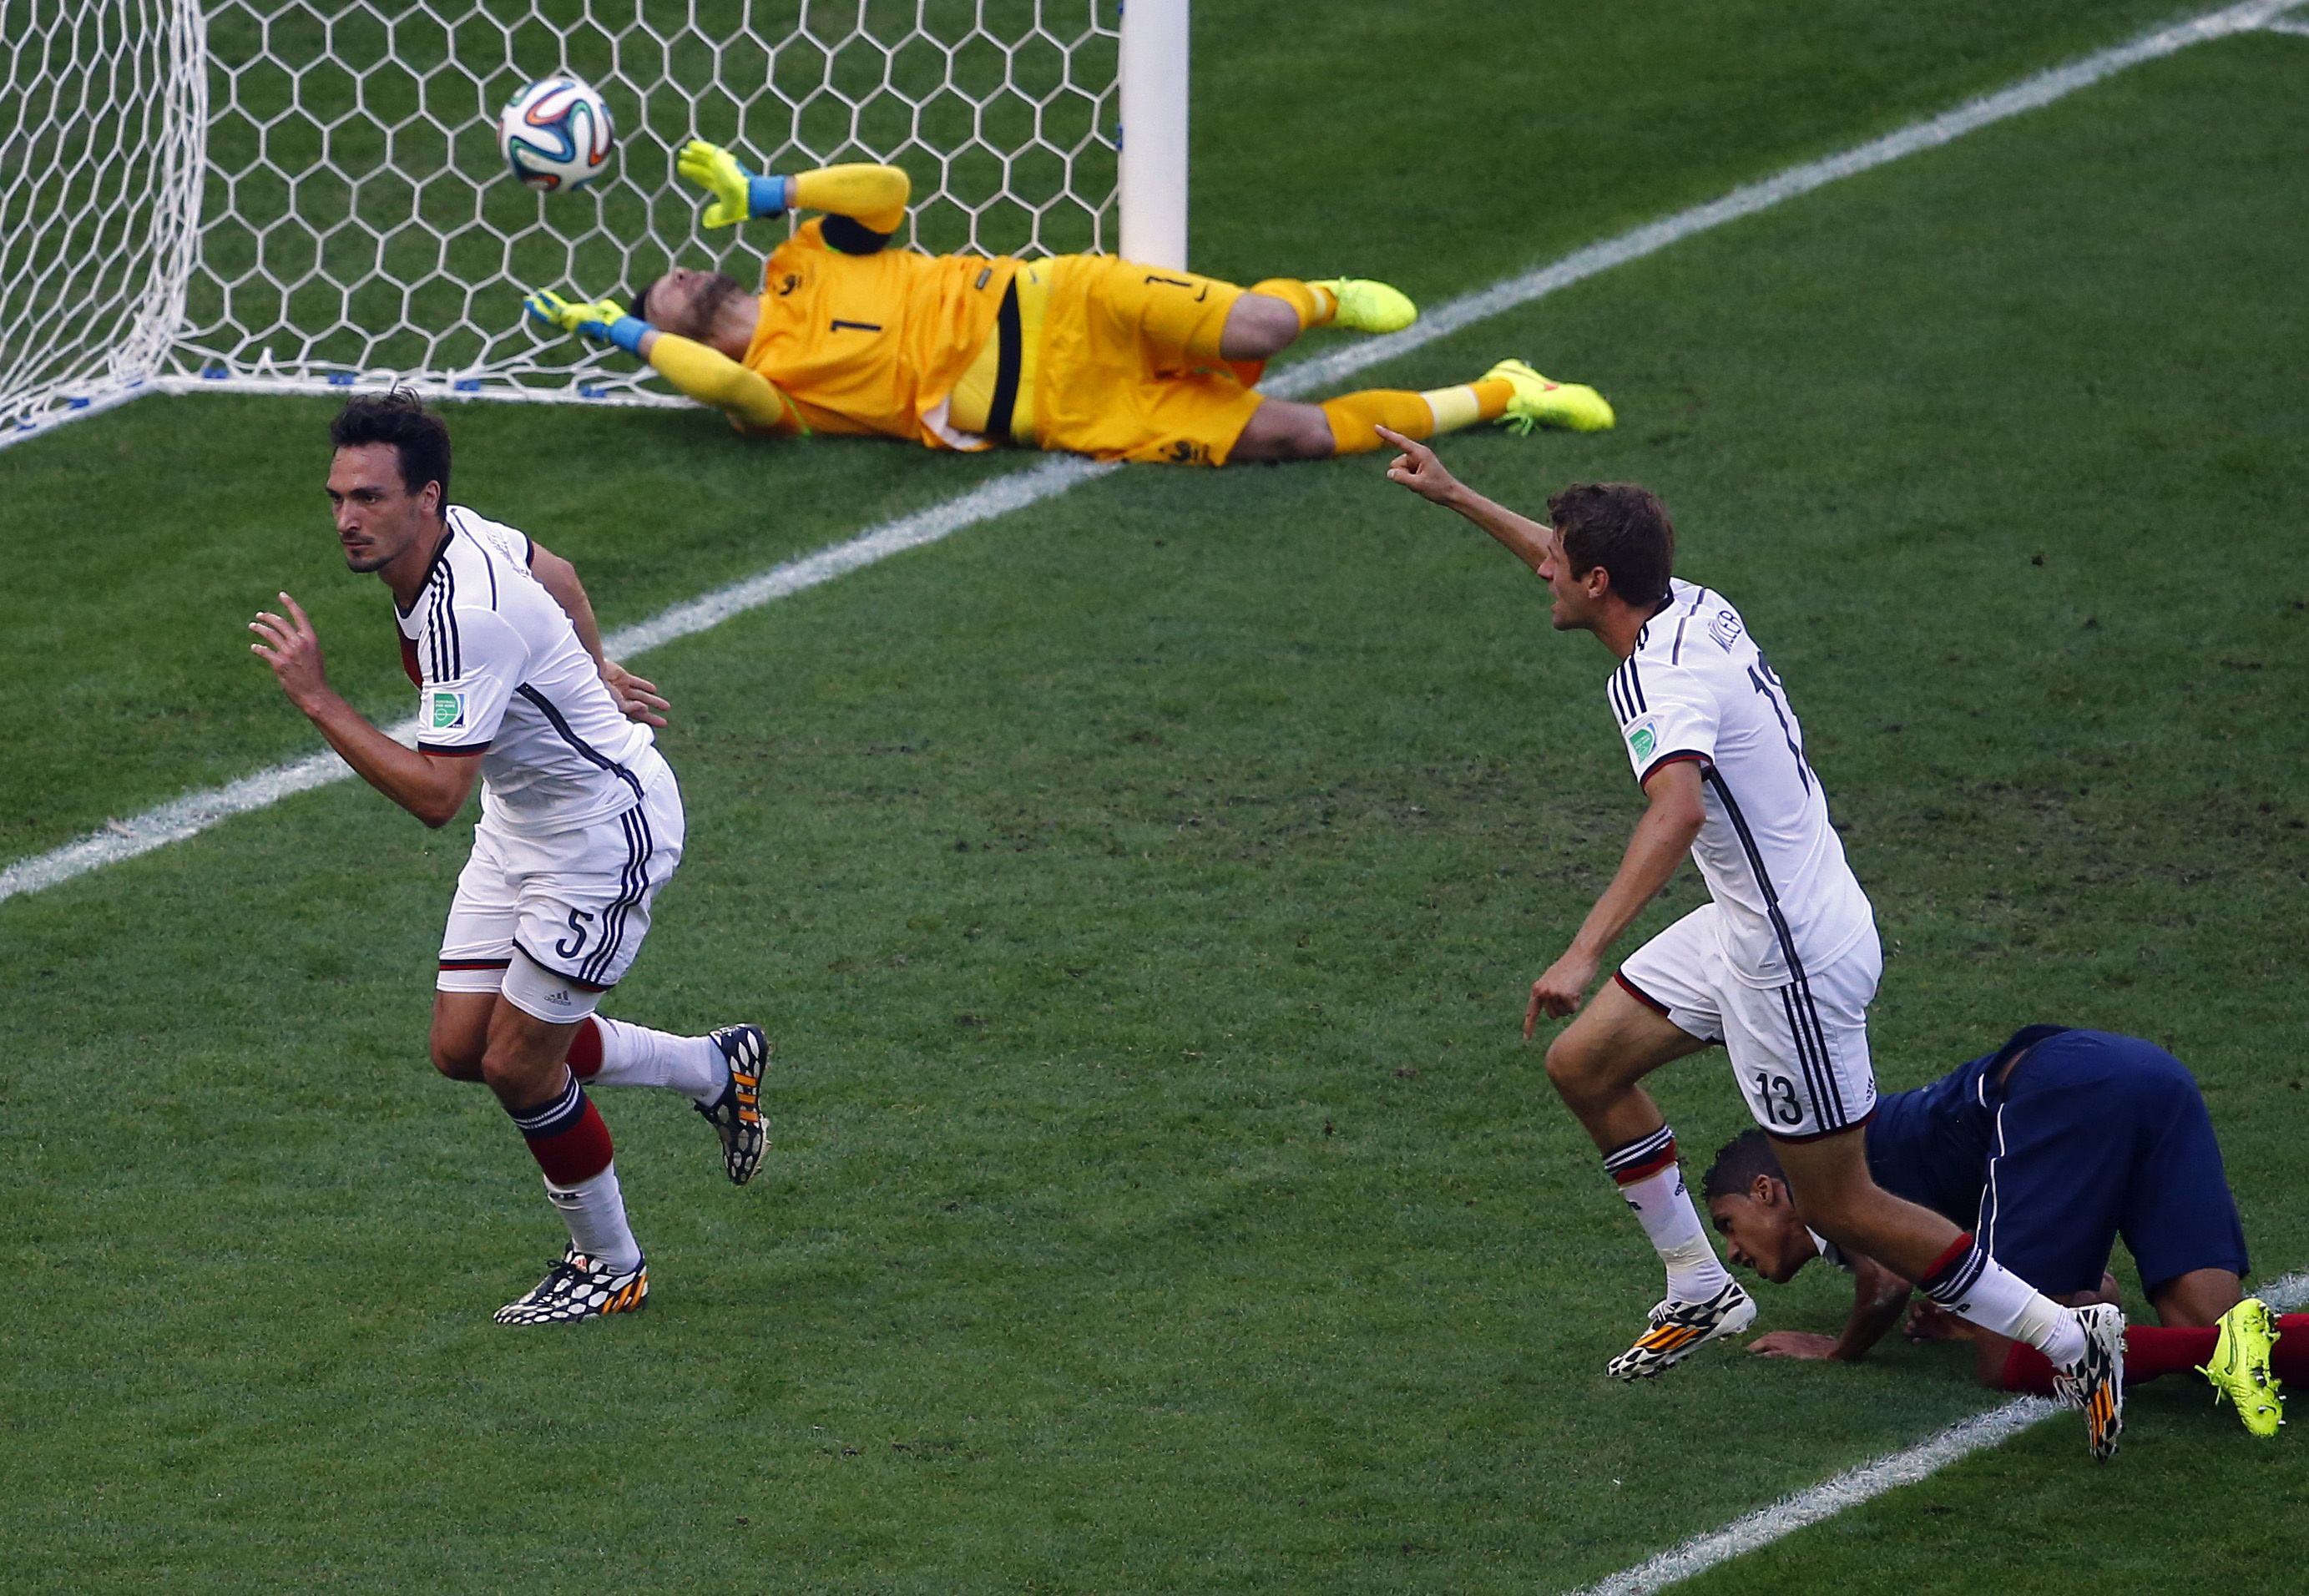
(1761, 676)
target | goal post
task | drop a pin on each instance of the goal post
(1153, 132)
(306, 195)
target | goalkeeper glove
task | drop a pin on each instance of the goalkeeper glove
(738, 194)
(603, 323)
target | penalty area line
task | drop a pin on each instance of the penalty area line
(1824, 1501)
(196, 812)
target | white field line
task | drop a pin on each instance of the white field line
(999, 497)
(1849, 1489)
(2028, 95)
(196, 812)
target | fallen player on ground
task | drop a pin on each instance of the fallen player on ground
(1082, 353)
(2050, 1148)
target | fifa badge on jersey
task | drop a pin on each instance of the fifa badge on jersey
(446, 711)
(1643, 739)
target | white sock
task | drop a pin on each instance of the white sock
(1979, 1288)
(1453, 408)
(1645, 1172)
(1664, 1210)
(594, 1210)
(2056, 1331)
(636, 1055)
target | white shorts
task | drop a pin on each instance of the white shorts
(1799, 1051)
(573, 904)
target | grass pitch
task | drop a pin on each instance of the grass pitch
(1142, 889)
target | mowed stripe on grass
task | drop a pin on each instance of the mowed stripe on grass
(196, 812)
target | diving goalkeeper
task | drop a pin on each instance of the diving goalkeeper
(1078, 352)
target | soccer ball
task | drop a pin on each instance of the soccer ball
(556, 135)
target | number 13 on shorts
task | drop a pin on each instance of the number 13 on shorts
(1772, 1098)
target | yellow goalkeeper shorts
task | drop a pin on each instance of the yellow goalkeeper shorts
(1129, 368)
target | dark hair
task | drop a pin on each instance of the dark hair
(1737, 1164)
(419, 438)
(1622, 527)
(721, 288)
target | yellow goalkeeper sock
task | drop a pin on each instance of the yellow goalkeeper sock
(1469, 403)
(1315, 305)
(1353, 416)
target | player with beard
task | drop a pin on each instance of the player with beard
(1078, 352)
(582, 824)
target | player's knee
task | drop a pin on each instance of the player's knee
(1306, 434)
(1315, 439)
(456, 1046)
(1574, 1070)
(501, 1066)
(1281, 429)
(1257, 327)
(457, 1060)
(522, 1068)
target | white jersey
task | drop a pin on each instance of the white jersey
(1697, 688)
(500, 675)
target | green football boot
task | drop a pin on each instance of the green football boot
(2239, 1370)
(1539, 403)
(1366, 305)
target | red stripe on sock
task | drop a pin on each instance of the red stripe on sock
(2289, 1358)
(1649, 1168)
(1947, 1261)
(2154, 1349)
(585, 1049)
(2027, 1369)
(578, 1153)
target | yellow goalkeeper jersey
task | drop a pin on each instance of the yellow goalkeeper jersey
(873, 342)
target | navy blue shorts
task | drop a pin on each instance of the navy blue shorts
(2100, 1136)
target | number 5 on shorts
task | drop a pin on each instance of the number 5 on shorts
(573, 944)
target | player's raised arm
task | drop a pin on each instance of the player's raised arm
(703, 374)
(1418, 470)
(431, 787)
(871, 196)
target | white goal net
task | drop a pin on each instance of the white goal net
(302, 194)
(100, 197)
